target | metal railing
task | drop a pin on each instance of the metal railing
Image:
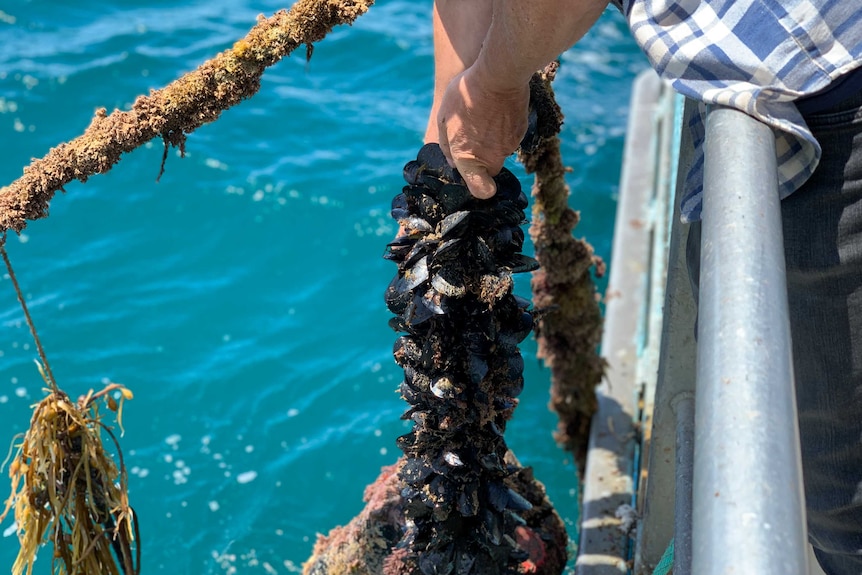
(725, 485)
(748, 502)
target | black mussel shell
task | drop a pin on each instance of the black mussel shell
(468, 500)
(498, 495)
(522, 302)
(453, 224)
(430, 209)
(520, 263)
(484, 258)
(414, 509)
(412, 171)
(410, 394)
(417, 312)
(508, 214)
(491, 462)
(396, 296)
(478, 343)
(514, 387)
(490, 527)
(419, 249)
(416, 275)
(431, 155)
(399, 208)
(448, 283)
(396, 253)
(508, 185)
(464, 561)
(516, 365)
(478, 369)
(449, 249)
(517, 502)
(435, 563)
(515, 518)
(408, 352)
(432, 182)
(415, 470)
(433, 301)
(531, 140)
(453, 197)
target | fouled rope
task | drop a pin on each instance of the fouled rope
(174, 111)
(569, 334)
(66, 489)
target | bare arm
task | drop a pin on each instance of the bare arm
(460, 27)
(482, 113)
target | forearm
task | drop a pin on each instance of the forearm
(484, 62)
(460, 27)
(524, 35)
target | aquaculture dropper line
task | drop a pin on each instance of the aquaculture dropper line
(65, 488)
(462, 368)
(44, 358)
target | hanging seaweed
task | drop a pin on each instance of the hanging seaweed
(462, 368)
(66, 489)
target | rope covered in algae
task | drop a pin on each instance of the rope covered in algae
(569, 333)
(174, 111)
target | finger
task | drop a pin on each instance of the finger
(478, 181)
(443, 142)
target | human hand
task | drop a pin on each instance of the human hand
(479, 127)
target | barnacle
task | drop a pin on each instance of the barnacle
(67, 490)
(462, 369)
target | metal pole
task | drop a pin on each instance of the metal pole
(683, 407)
(748, 512)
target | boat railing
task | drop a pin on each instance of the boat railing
(723, 489)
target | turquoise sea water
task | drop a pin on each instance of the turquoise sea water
(240, 297)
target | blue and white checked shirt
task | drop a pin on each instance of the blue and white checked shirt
(755, 55)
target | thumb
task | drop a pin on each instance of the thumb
(478, 180)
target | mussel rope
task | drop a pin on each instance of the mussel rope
(39, 349)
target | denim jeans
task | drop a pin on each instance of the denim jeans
(823, 250)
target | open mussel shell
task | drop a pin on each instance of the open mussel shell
(413, 227)
(398, 248)
(444, 387)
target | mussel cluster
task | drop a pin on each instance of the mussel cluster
(462, 368)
